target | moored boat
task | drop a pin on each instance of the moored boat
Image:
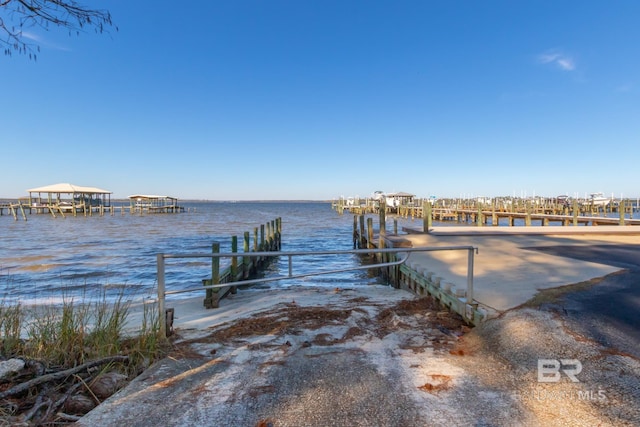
(597, 199)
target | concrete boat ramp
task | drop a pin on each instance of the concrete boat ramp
(359, 357)
(509, 267)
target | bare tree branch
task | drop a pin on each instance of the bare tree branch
(15, 15)
(59, 375)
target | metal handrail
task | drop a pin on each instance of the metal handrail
(161, 257)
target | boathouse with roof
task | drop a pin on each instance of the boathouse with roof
(154, 204)
(68, 197)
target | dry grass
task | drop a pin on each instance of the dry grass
(52, 339)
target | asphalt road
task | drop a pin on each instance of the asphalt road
(609, 311)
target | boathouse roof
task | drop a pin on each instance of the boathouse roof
(400, 194)
(151, 196)
(68, 188)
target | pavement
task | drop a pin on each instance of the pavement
(511, 265)
(359, 357)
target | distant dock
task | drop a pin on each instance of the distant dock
(501, 212)
(86, 203)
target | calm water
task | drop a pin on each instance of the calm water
(45, 258)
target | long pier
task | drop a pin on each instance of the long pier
(501, 213)
(421, 279)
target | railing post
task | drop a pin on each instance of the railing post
(161, 290)
(470, 276)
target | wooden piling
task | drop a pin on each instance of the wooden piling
(211, 300)
(234, 263)
(370, 233)
(246, 261)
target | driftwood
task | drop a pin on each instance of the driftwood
(60, 375)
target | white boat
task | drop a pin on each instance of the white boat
(598, 199)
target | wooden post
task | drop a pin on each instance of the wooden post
(395, 225)
(246, 261)
(355, 231)
(267, 244)
(427, 218)
(262, 248)
(479, 220)
(369, 233)
(362, 239)
(575, 213)
(234, 263)
(24, 215)
(279, 233)
(210, 301)
(621, 210)
(255, 239)
(383, 220)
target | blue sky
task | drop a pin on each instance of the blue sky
(243, 100)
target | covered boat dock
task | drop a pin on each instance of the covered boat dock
(66, 198)
(154, 204)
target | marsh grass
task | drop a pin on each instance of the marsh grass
(78, 331)
(10, 326)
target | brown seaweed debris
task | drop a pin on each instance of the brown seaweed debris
(440, 318)
(284, 320)
(440, 383)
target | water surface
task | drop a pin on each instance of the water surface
(46, 258)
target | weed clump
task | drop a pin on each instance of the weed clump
(70, 350)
